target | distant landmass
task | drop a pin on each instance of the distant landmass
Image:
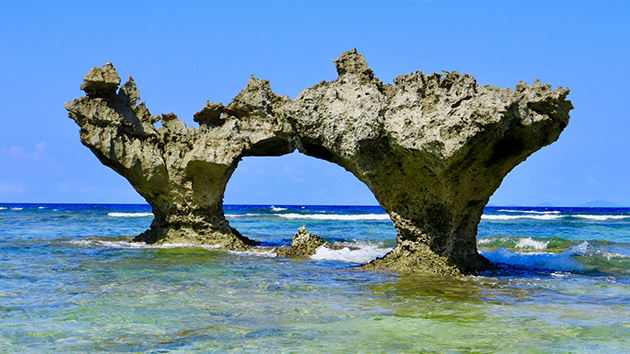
(600, 203)
(545, 204)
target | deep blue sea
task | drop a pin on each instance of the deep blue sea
(70, 281)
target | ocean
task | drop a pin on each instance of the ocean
(70, 281)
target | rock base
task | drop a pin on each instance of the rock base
(432, 148)
(304, 244)
(418, 258)
(230, 239)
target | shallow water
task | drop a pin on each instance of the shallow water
(71, 282)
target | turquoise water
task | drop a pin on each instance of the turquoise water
(71, 282)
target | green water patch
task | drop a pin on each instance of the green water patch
(605, 263)
(69, 291)
(591, 256)
(141, 300)
(526, 244)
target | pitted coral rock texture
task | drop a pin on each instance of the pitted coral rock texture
(432, 149)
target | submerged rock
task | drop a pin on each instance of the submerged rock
(304, 244)
(432, 148)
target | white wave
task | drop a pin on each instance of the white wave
(257, 253)
(563, 262)
(601, 217)
(2, 208)
(17, 208)
(41, 208)
(110, 244)
(273, 208)
(582, 249)
(548, 215)
(135, 245)
(247, 214)
(364, 253)
(180, 245)
(129, 215)
(529, 211)
(610, 255)
(514, 217)
(483, 241)
(529, 243)
(336, 216)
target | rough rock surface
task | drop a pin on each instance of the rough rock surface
(432, 148)
(304, 244)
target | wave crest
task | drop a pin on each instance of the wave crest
(335, 216)
(563, 262)
(129, 215)
(514, 217)
(365, 253)
(601, 217)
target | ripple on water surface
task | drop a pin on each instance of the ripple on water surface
(71, 282)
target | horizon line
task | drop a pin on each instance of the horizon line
(583, 205)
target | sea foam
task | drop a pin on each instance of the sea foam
(483, 241)
(529, 243)
(601, 217)
(563, 262)
(136, 245)
(548, 215)
(529, 216)
(529, 211)
(129, 215)
(546, 261)
(365, 253)
(246, 214)
(335, 216)
(257, 253)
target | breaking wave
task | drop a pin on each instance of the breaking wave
(529, 243)
(563, 262)
(359, 252)
(601, 217)
(245, 215)
(257, 253)
(335, 216)
(553, 216)
(514, 217)
(585, 256)
(529, 211)
(129, 215)
(135, 245)
(321, 216)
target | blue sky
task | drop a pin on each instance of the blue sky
(184, 53)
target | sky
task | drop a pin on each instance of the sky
(184, 53)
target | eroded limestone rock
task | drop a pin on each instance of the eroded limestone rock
(181, 172)
(432, 148)
(304, 244)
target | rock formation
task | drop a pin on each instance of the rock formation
(304, 244)
(432, 148)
